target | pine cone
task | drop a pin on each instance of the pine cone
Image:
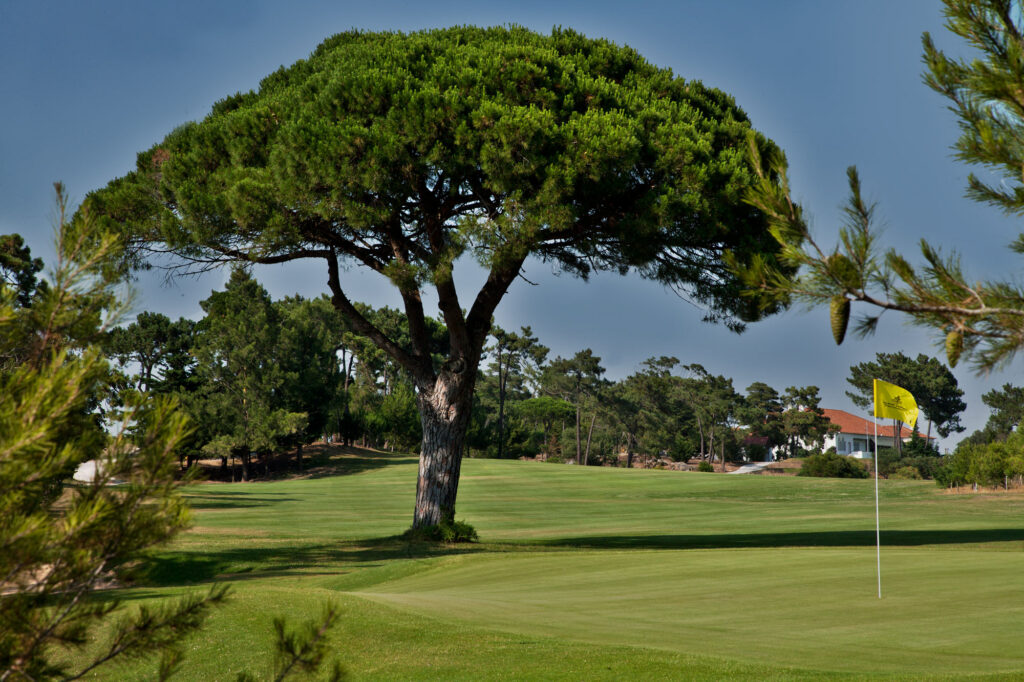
(954, 345)
(839, 309)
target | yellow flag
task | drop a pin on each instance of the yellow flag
(894, 402)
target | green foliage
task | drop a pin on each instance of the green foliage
(906, 473)
(827, 465)
(18, 269)
(932, 384)
(1007, 411)
(395, 419)
(449, 532)
(161, 348)
(300, 653)
(705, 467)
(402, 153)
(979, 320)
(987, 464)
(59, 544)
(803, 422)
(241, 405)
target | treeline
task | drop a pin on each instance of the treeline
(259, 377)
(994, 455)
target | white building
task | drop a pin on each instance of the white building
(856, 435)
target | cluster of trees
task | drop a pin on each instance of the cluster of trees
(565, 410)
(259, 376)
(994, 454)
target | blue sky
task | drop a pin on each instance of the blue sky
(85, 86)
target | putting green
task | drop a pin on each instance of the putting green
(942, 612)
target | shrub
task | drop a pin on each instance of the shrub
(446, 531)
(907, 473)
(827, 465)
(706, 467)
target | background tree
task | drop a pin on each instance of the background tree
(933, 386)
(512, 356)
(158, 346)
(241, 372)
(306, 355)
(574, 380)
(18, 269)
(402, 153)
(714, 403)
(655, 414)
(545, 412)
(980, 320)
(1007, 406)
(761, 412)
(803, 421)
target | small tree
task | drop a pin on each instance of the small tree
(59, 545)
(573, 380)
(803, 421)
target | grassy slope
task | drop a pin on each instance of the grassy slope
(600, 573)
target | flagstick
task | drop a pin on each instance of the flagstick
(878, 535)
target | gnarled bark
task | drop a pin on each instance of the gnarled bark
(445, 410)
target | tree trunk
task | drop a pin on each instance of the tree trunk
(579, 445)
(298, 455)
(590, 434)
(245, 465)
(445, 409)
(501, 409)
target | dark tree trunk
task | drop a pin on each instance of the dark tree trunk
(579, 445)
(298, 455)
(590, 434)
(245, 465)
(501, 409)
(445, 410)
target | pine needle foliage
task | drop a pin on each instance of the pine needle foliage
(982, 321)
(61, 543)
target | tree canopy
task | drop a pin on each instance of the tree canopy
(402, 153)
(930, 382)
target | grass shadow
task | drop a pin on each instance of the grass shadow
(230, 499)
(318, 461)
(848, 538)
(241, 563)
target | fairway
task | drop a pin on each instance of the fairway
(590, 573)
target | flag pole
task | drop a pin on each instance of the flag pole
(878, 535)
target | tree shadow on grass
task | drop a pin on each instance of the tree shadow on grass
(319, 461)
(846, 538)
(233, 499)
(261, 561)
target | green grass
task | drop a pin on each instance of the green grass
(587, 573)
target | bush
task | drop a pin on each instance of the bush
(827, 465)
(706, 467)
(446, 531)
(907, 473)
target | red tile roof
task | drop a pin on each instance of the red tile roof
(851, 423)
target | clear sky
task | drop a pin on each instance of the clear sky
(84, 86)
